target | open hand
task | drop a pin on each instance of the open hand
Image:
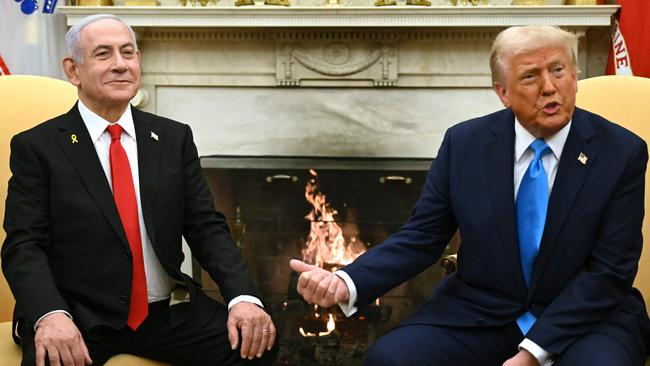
(59, 339)
(256, 326)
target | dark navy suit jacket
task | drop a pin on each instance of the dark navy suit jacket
(589, 252)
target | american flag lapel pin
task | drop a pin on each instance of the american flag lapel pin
(154, 136)
(582, 158)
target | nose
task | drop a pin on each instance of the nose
(548, 87)
(119, 63)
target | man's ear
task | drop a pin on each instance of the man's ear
(71, 71)
(501, 93)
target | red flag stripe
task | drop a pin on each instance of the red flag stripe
(3, 67)
(629, 52)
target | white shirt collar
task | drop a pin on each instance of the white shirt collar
(96, 125)
(523, 139)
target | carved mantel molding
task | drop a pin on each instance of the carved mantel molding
(435, 47)
(356, 17)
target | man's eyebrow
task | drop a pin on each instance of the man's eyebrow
(529, 69)
(100, 47)
(107, 47)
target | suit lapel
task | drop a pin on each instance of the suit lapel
(568, 180)
(148, 138)
(499, 160)
(80, 149)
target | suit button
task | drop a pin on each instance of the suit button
(531, 306)
(480, 321)
(124, 299)
(126, 255)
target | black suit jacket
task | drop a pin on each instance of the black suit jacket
(589, 251)
(65, 246)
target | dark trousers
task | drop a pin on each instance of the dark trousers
(200, 340)
(424, 345)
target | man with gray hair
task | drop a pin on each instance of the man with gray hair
(548, 199)
(97, 207)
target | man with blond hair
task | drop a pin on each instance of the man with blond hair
(548, 199)
(97, 206)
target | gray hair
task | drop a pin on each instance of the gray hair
(517, 40)
(73, 36)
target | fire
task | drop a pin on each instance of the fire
(326, 243)
(331, 325)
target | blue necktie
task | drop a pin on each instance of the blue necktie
(532, 202)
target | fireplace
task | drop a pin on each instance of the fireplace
(266, 202)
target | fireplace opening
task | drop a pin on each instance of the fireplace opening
(325, 211)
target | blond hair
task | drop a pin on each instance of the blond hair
(517, 40)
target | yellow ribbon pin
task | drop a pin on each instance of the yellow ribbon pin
(73, 137)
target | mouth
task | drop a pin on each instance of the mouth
(119, 82)
(551, 108)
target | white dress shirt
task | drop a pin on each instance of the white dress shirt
(522, 157)
(159, 283)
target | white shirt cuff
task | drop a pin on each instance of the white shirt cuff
(348, 308)
(50, 313)
(542, 356)
(245, 298)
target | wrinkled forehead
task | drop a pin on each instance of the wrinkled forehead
(549, 54)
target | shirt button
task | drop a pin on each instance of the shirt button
(123, 299)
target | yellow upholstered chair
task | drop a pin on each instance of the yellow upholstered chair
(26, 101)
(624, 100)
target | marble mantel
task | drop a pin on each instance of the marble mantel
(331, 81)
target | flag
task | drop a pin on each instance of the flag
(49, 6)
(31, 44)
(629, 54)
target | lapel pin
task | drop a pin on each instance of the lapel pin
(582, 158)
(73, 137)
(154, 136)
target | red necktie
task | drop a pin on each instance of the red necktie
(127, 206)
